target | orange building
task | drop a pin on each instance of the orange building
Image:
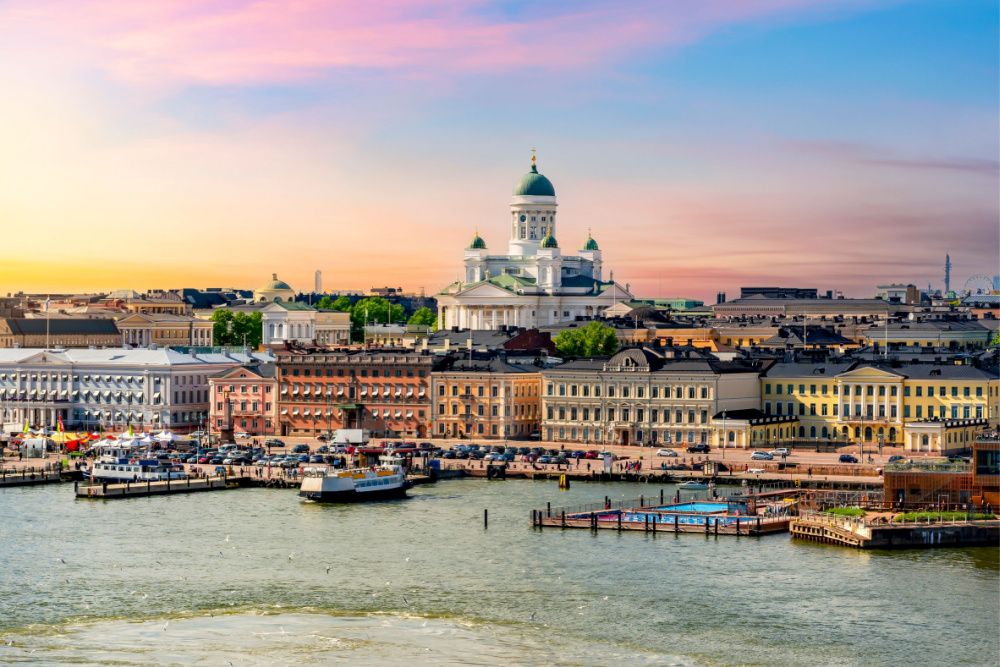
(385, 391)
(486, 399)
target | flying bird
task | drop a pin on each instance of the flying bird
(227, 538)
(328, 569)
(62, 561)
(533, 616)
(405, 601)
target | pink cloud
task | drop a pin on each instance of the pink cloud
(234, 42)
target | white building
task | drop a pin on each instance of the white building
(147, 388)
(534, 283)
(285, 321)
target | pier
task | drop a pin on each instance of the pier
(108, 491)
(736, 515)
(29, 477)
(884, 532)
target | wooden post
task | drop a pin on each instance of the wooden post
(486, 518)
(716, 526)
(645, 522)
(654, 524)
(564, 518)
(619, 521)
(676, 524)
(642, 501)
(661, 496)
(548, 510)
(706, 525)
(758, 525)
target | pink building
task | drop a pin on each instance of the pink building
(244, 398)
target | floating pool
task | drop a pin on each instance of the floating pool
(696, 507)
(686, 519)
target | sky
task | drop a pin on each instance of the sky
(708, 145)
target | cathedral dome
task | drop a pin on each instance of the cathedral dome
(534, 184)
(477, 243)
(591, 244)
(549, 242)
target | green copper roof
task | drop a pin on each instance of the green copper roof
(591, 244)
(534, 184)
(550, 242)
(477, 243)
(275, 284)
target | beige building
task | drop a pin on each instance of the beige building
(274, 290)
(332, 327)
(58, 332)
(165, 330)
(485, 399)
(644, 396)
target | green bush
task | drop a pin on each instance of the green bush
(846, 511)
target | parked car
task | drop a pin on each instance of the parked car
(300, 449)
(847, 458)
(493, 456)
(592, 454)
(241, 434)
(449, 454)
(273, 442)
(894, 459)
(697, 449)
(761, 456)
(316, 458)
(545, 459)
(197, 434)
(666, 452)
(781, 451)
(322, 437)
(578, 454)
(529, 458)
(756, 471)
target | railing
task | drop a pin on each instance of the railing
(613, 505)
(862, 525)
(927, 466)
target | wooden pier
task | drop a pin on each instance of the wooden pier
(29, 478)
(108, 491)
(862, 533)
(624, 515)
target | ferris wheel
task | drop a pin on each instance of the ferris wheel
(978, 284)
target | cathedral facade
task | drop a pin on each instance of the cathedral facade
(534, 284)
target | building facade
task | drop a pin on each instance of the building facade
(165, 330)
(534, 283)
(489, 399)
(924, 407)
(58, 332)
(332, 327)
(643, 396)
(245, 398)
(109, 388)
(384, 391)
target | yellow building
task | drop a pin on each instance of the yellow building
(893, 404)
(165, 330)
(485, 399)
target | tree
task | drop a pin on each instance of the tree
(373, 310)
(595, 339)
(424, 316)
(325, 303)
(229, 328)
(343, 304)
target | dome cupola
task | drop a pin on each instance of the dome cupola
(477, 243)
(534, 184)
(591, 244)
(549, 242)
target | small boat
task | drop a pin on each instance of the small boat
(693, 486)
(380, 482)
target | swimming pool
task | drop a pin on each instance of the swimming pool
(687, 519)
(696, 507)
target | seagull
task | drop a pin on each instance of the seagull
(62, 561)
(328, 569)
(291, 555)
(227, 538)
(407, 559)
(166, 624)
(605, 597)
(283, 630)
(387, 583)
(10, 643)
(221, 554)
(159, 563)
(533, 616)
(405, 601)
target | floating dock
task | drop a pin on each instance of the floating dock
(738, 515)
(29, 478)
(110, 491)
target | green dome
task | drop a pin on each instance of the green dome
(275, 284)
(534, 184)
(591, 244)
(477, 243)
(549, 242)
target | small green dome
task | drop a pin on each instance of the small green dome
(534, 184)
(275, 284)
(477, 243)
(549, 242)
(591, 244)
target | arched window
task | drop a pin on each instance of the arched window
(892, 434)
(812, 431)
(826, 433)
(732, 436)
(802, 431)
(925, 440)
(868, 433)
(857, 431)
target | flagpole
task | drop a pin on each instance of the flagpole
(47, 298)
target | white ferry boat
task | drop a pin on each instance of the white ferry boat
(382, 482)
(121, 463)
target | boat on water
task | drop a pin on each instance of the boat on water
(379, 482)
(119, 462)
(693, 486)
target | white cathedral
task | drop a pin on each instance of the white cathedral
(534, 284)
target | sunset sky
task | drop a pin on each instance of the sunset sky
(709, 144)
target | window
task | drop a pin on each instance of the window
(611, 391)
(611, 414)
(823, 409)
(979, 392)
(812, 408)
(812, 389)
(802, 389)
(666, 392)
(920, 411)
(562, 390)
(930, 391)
(966, 391)
(640, 392)
(655, 392)
(625, 391)
(690, 392)
(954, 392)
(704, 392)
(767, 388)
